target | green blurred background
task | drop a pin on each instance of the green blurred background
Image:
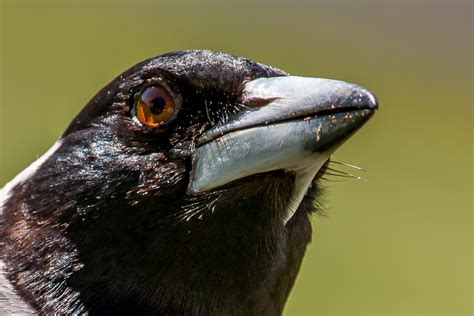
(399, 244)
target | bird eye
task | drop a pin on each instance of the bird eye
(155, 106)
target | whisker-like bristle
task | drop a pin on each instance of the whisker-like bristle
(207, 113)
(342, 172)
(346, 164)
(345, 176)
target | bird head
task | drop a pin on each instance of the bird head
(184, 185)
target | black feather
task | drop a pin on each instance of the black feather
(105, 226)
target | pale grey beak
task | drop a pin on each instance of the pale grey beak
(292, 123)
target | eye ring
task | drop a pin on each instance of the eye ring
(155, 106)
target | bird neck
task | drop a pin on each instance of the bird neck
(236, 257)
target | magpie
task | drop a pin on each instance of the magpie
(184, 187)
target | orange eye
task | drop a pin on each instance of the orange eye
(155, 106)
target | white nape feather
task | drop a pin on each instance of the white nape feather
(6, 191)
(10, 302)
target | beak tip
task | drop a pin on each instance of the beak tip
(363, 99)
(372, 103)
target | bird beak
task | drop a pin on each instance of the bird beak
(288, 123)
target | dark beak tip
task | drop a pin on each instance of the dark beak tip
(361, 98)
(365, 100)
(373, 101)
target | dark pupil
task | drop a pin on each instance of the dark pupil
(157, 105)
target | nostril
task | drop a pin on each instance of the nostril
(257, 102)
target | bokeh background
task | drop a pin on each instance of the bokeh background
(399, 244)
